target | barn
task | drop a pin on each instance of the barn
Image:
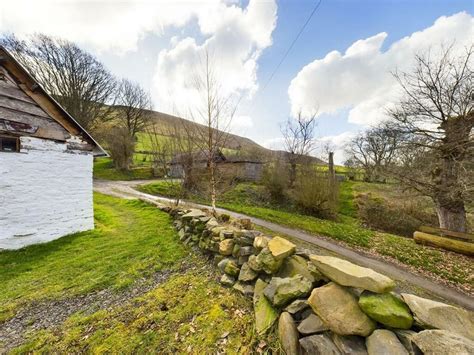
(46, 161)
(229, 166)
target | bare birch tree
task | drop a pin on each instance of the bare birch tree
(298, 135)
(75, 78)
(437, 116)
(215, 112)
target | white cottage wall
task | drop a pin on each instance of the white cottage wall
(45, 193)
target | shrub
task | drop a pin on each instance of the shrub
(315, 195)
(120, 147)
(401, 219)
(275, 178)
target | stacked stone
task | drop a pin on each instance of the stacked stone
(323, 304)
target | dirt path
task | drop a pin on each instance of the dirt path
(125, 189)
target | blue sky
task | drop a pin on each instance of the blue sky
(157, 42)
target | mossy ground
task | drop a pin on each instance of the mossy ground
(189, 312)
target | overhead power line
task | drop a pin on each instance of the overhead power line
(292, 44)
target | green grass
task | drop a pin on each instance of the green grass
(104, 169)
(131, 240)
(244, 198)
(190, 313)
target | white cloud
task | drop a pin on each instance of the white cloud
(275, 143)
(337, 143)
(360, 78)
(102, 24)
(234, 37)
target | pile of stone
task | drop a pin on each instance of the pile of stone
(323, 304)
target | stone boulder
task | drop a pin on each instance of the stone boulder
(319, 344)
(406, 338)
(281, 291)
(245, 289)
(434, 342)
(296, 306)
(229, 266)
(296, 265)
(267, 262)
(431, 314)
(227, 280)
(246, 237)
(254, 263)
(288, 334)
(193, 213)
(350, 344)
(349, 274)
(281, 248)
(383, 341)
(260, 242)
(265, 314)
(311, 325)
(339, 310)
(387, 309)
(246, 273)
(226, 246)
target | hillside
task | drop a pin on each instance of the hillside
(168, 125)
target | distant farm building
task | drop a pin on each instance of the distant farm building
(237, 167)
(45, 163)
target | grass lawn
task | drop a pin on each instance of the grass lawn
(104, 169)
(451, 267)
(190, 312)
(131, 240)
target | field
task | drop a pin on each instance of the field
(135, 257)
(247, 198)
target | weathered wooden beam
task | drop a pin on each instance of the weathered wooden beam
(22, 106)
(447, 233)
(444, 243)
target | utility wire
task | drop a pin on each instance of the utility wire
(291, 45)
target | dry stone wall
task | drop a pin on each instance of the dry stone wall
(322, 304)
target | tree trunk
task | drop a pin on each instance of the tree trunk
(452, 216)
(212, 169)
(448, 192)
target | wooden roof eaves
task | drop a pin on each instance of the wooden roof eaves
(34, 90)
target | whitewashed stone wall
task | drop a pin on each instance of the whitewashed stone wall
(45, 193)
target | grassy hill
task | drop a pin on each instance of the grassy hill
(169, 128)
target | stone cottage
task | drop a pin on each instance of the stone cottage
(45, 163)
(242, 168)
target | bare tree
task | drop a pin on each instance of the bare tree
(298, 135)
(215, 112)
(77, 80)
(437, 116)
(133, 106)
(374, 150)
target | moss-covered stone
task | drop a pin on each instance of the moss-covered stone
(265, 314)
(281, 291)
(268, 262)
(386, 309)
(226, 246)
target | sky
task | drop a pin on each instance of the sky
(340, 69)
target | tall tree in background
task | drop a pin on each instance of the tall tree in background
(374, 150)
(215, 112)
(133, 106)
(75, 78)
(436, 114)
(298, 135)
